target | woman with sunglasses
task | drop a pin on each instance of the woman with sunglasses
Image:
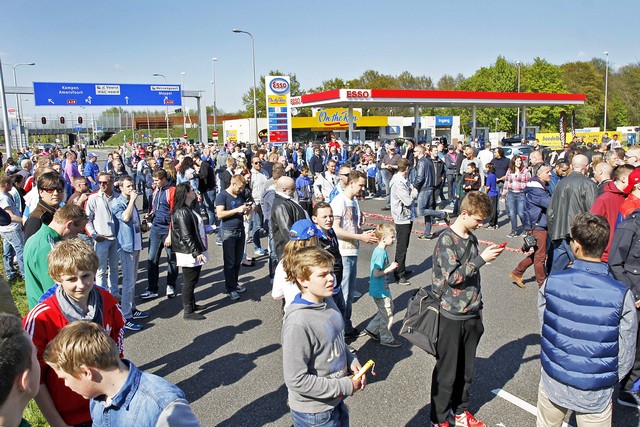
(189, 243)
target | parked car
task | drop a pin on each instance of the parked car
(521, 150)
(513, 140)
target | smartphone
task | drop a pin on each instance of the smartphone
(502, 245)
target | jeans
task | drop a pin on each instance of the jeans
(451, 186)
(561, 256)
(515, 205)
(349, 275)
(209, 198)
(537, 258)
(337, 417)
(382, 321)
(156, 243)
(233, 242)
(129, 261)
(108, 257)
(257, 227)
(13, 245)
(403, 233)
(386, 178)
(424, 208)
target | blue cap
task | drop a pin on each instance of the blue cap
(304, 230)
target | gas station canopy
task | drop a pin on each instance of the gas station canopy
(433, 98)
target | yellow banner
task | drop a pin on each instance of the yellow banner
(232, 135)
(276, 100)
(337, 118)
(552, 140)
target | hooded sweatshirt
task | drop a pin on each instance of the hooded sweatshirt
(315, 356)
(608, 205)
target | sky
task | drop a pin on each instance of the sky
(126, 41)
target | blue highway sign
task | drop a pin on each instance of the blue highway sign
(105, 94)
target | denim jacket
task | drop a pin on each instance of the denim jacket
(144, 400)
(125, 231)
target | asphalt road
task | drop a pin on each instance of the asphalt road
(230, 365)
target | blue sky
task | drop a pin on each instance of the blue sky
(126, 41)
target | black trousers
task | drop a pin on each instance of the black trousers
(630, 379)
(190, 277)
(493, 217)
(452, 375)
(403, 233)
(232, 249)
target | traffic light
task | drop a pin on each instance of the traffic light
(43, 120)
(62, 120)
(79, 120)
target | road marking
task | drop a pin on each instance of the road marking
(520, 403)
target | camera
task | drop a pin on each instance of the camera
(144, 226)
(530, 242)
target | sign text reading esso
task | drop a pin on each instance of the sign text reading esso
(358, 94)
(279, 85)
(295, 100)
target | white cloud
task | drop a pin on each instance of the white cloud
(582, 54)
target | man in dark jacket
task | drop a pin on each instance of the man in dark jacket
(284, 213)
(316, 163)
(573, 195)
(450, 171)
(425, 181)
(536, 201)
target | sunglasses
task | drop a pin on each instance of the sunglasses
(51, 190)
(103, 182)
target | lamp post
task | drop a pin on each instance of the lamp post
(166, 114)
(253, 60)
(518, 119)
(606, 88)
(19, 112)
(184, 116)
(213, 84)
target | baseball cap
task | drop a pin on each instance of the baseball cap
(634, 178)
(304, 230)
(451, 147)
(92, 155)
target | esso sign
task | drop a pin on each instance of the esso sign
(279, 85)
(295, 100)
(359, 94)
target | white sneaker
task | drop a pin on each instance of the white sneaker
(234, 296)
(356, 294)
(171, 292)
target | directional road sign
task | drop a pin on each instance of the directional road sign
(104, 94)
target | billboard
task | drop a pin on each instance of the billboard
(278, 91)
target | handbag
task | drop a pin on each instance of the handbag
(421, 325)
(422, 321)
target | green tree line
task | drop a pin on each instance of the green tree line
(588, 77)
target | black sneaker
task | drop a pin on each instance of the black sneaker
(355, 333)
(403, 282)
(425, 237)
(629, 398)
(373, 336)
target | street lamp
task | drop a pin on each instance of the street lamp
(518, 120)
(184, 117)
(166, 114)
(606, 88)
(213, 84)
(19, 112)
(253, 60)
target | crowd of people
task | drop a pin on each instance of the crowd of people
(65, 231)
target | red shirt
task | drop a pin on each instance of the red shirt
(43, 323)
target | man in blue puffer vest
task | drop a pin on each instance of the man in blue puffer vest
(589, 328)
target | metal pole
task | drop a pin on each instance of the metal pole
(18, 106)
(215, 113)
(253, 60)
(606, 89)
(518, 119)
(166, 113)
(184, 116)
(5, 114)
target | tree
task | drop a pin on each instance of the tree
(585, 77)
(541, 76)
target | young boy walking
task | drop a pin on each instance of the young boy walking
(72, 265)
(315, 357)
(86, 357)
(456, 281)
(379, 328)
